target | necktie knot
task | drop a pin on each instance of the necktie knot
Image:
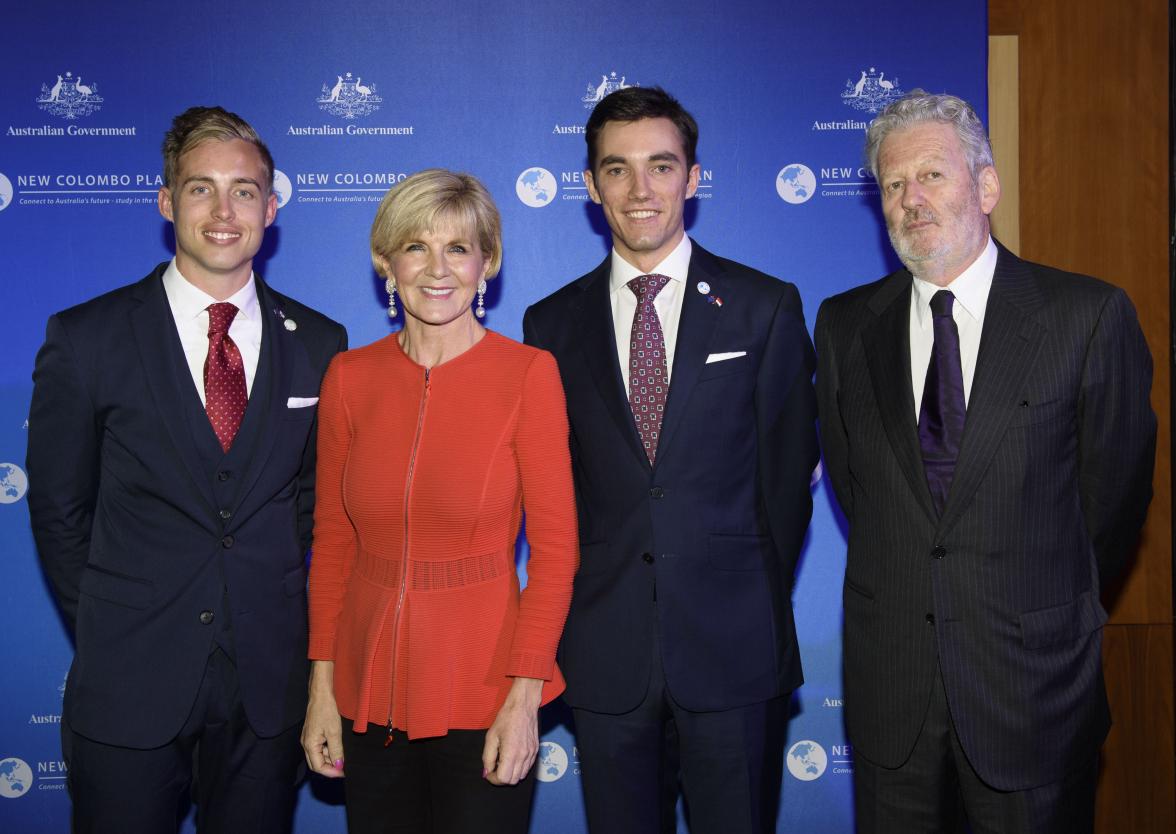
(220, 316)
(941, 303)
(647, 286)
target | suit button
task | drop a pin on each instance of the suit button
(206, 617)
(647, 558)
(227, 542)
(939, 551)
(226, 514)
(223, 475)
(657, 492)
(930, 619)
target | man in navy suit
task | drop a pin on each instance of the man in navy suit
(689, 390)
(171, 468)
(986, 427)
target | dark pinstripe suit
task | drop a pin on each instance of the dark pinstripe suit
(1050, 490)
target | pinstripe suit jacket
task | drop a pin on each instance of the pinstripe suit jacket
(1050, 490)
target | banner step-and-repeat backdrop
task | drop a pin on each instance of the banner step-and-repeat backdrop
(351, 98)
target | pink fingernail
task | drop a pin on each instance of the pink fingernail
(338, 763)
(485, 773)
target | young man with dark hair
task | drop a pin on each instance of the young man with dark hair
(689, 391)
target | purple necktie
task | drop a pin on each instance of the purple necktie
(225, 396)
(941, 415)
(648, 385)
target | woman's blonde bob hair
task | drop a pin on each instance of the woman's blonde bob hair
(430, 197)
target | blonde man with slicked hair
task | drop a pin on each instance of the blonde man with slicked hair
(197, 125)
(171, 454)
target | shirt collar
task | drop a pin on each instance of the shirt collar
(188, 301)
(675, 266)
(970, 288)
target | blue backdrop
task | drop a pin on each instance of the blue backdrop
(352, 97)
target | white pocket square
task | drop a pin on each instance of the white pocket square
(722, 357)
(301, 402)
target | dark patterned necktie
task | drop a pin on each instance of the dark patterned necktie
(648, 384)
(942, 413)
(225, 396)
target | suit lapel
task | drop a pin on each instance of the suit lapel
(888, 337)
(154, 332)
(695, 328)
(1009, 345)
(267, 400)
(598, 342)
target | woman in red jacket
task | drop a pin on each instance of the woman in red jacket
(429, 665)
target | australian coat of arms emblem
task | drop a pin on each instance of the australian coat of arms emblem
(349, 97)
(608, 84)
(69, 98)
(871, 92)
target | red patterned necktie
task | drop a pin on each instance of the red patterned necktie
(648, 383)
(225, 396)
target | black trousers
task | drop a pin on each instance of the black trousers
(937, 792)
(239, 781)
(729, 764)
(427, 786)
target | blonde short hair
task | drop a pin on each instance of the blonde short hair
(197, 125)
(419, 202)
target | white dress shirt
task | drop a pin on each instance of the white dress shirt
(675, 266)
(971, 299)
(189, 307)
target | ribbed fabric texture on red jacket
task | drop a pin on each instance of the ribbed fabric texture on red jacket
(421, 487)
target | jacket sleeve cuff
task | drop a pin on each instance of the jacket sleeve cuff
(526, 665)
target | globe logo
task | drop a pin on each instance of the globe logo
(282, 188)
(16, 777)
(536, 187)
(807, 760)
(795, 183)
(13, 483)
(553, 762)
(5, 192)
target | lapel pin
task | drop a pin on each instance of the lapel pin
(290, 324)
(279, 312)
(703, 287)
(715, 300)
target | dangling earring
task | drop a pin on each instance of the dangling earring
(390, 286)
(480, 310)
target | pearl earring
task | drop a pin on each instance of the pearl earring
(390, 286)
(480, 310)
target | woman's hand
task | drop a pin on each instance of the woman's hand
(512, 741)
(322, 732)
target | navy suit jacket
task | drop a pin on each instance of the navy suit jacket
(713, 530)
(151, 537)
(1001, 591)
